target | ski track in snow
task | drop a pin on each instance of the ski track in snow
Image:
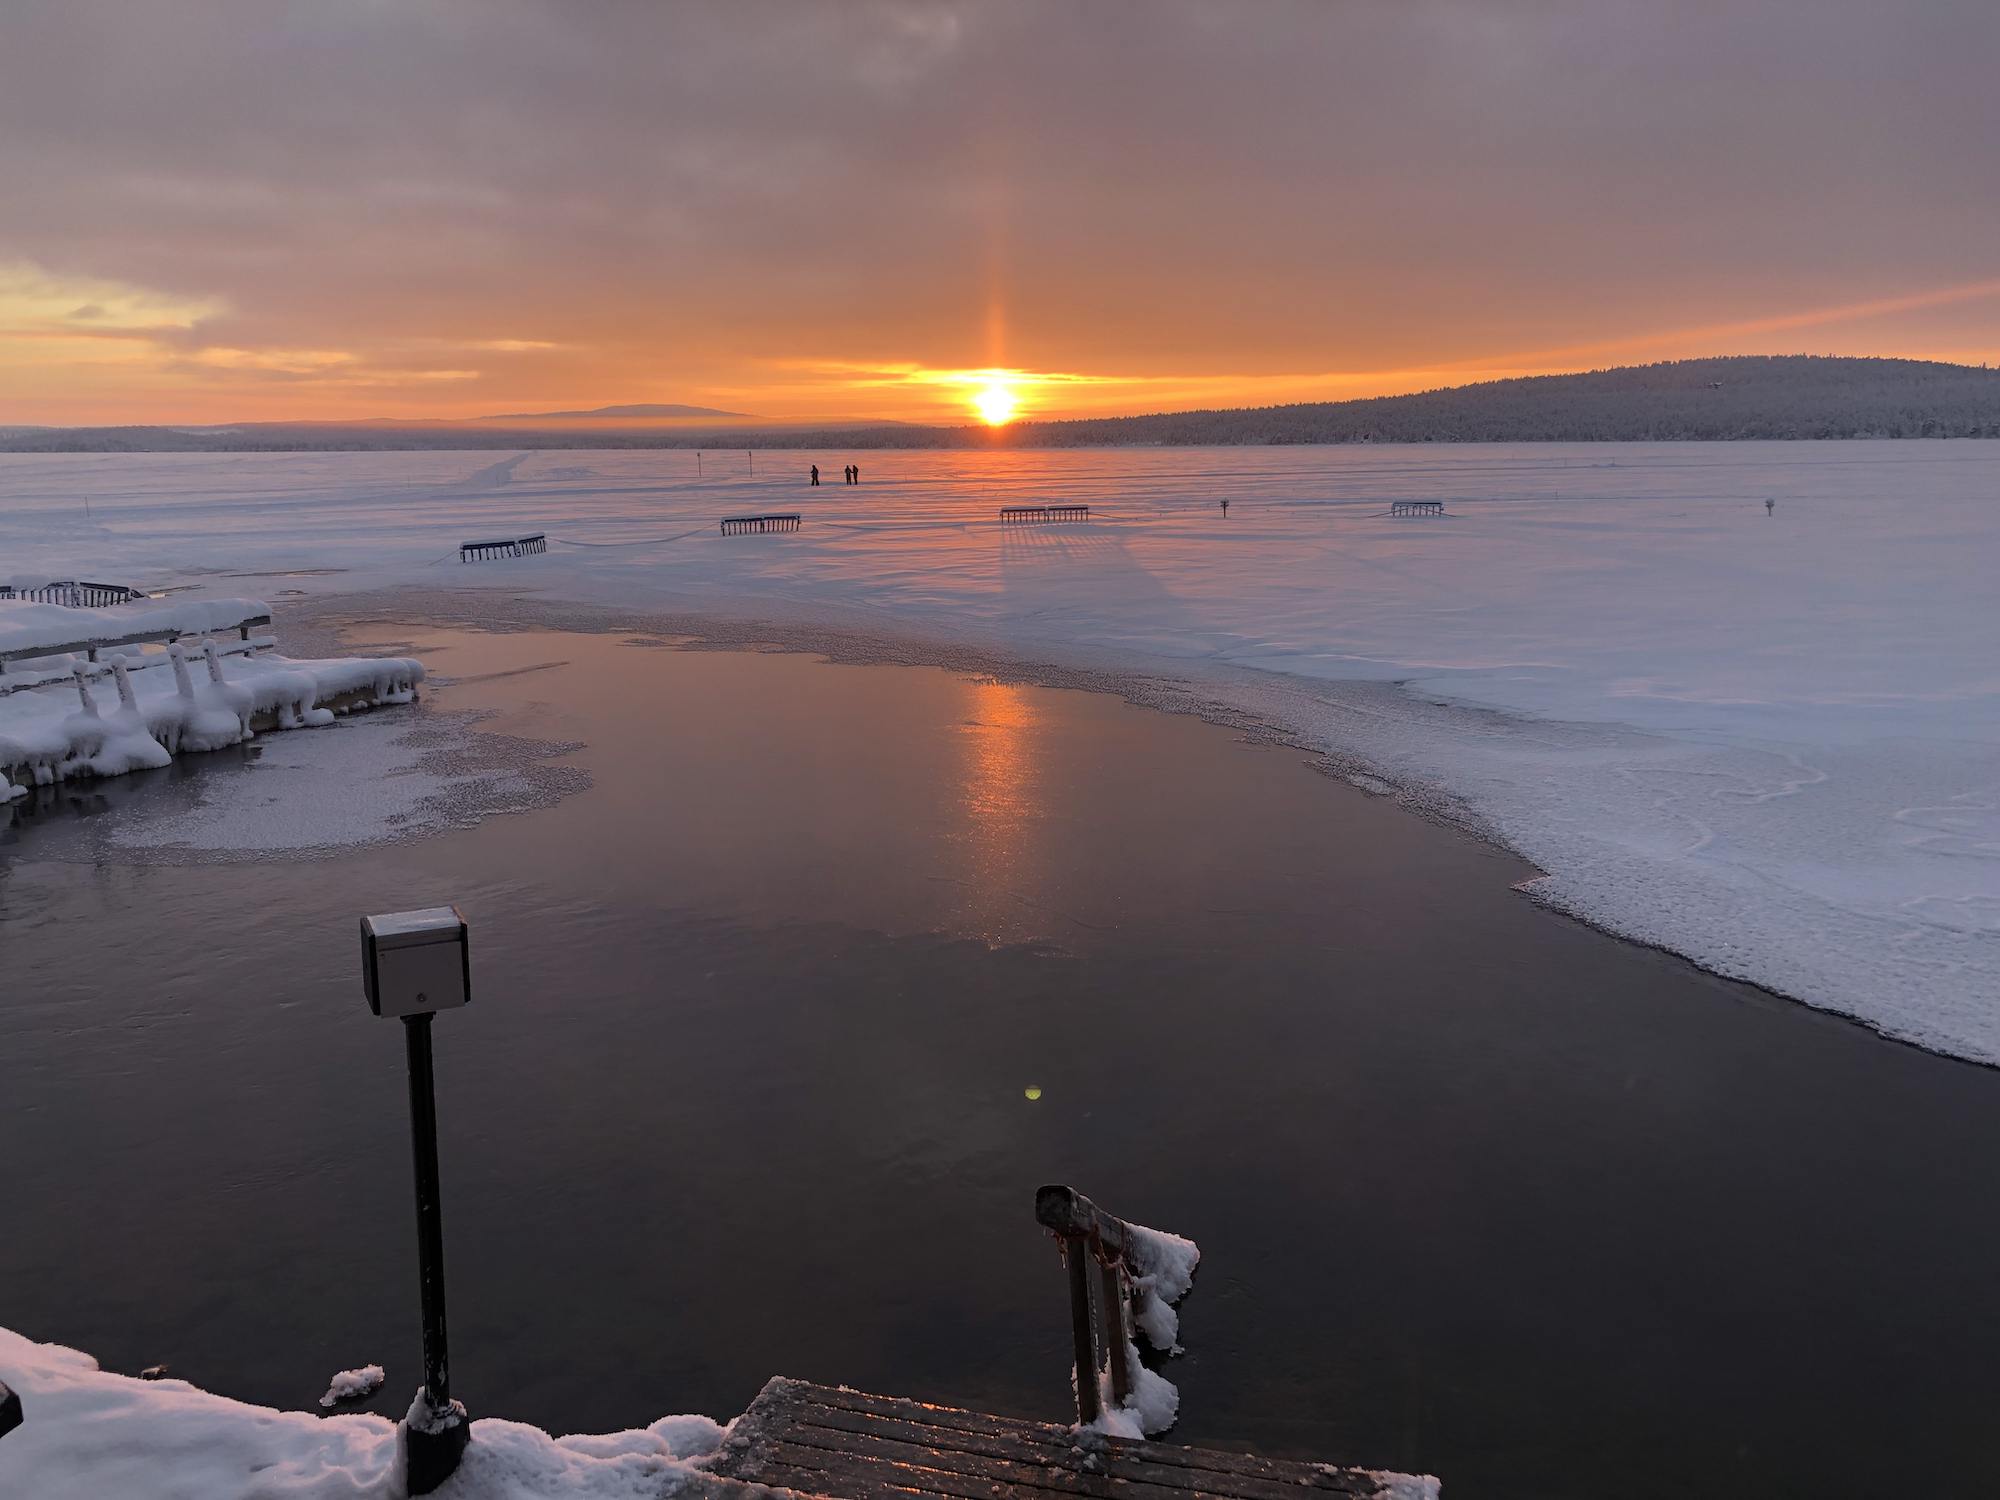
(1770, 743)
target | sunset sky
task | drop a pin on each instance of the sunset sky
(835, 211)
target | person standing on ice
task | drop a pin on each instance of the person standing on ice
(1770, 507)
(856, 469)
(1225, 510)
(815, 478)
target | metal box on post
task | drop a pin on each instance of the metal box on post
(415, 962)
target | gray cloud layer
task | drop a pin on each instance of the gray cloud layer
(1161, 186)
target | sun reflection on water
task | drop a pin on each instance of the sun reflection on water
(1001, 795)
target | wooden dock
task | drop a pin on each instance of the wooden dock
(823, 1440)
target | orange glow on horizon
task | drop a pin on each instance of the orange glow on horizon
(86, 351)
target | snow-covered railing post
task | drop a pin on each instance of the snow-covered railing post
(1086, 1233)
(413, 964)
(1102, 1335)
(1141, 1274)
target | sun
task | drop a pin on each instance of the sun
(996, 403)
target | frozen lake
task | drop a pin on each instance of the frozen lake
(1479, 1190)
(1765, 737)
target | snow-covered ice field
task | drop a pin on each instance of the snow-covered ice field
(1768, 741)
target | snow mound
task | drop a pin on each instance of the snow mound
(88, 1435)
(348, 1384)
(1165, 1263)
(1163, 1266)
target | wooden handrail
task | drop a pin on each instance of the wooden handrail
(94, 671)
(1099, 1341)
(136, 638)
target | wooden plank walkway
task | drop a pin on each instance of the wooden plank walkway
(819, 1440)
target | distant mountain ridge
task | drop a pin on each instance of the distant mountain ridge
(607, 412)
(1792, 396)
(1710, 400)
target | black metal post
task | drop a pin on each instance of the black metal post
(431, 1449)
(430, 1219)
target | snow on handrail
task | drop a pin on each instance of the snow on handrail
(91, 671)
(1133, 1264)
(32, 630)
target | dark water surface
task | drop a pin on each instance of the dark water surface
(1479, 1191)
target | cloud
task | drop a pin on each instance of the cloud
(35, 300)
(280, 361)
(648, 202)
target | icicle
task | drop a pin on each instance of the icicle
(214, 661)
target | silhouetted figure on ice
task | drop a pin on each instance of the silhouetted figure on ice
(855, 470)
(1225, 510)
(1770, 507)
(815, 478)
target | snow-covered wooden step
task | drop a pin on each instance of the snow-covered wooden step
(821, 1440)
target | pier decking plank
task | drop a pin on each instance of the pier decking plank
(846, 1444)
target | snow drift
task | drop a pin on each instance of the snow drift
(88, 1435)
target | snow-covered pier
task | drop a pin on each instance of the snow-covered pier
(82, 695)
(822, 1440)
(1124, 1279)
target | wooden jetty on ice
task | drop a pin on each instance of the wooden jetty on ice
(506, 546)
(789, 520)
(1022, 515)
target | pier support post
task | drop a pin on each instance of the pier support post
(1079, 1323)
(1111, 1312)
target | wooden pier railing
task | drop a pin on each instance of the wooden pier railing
(1416, 507)
(1096, 1249)
(92, 646)
(511, 546)
(1019, 515)
(76, 594)
(742, 525)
